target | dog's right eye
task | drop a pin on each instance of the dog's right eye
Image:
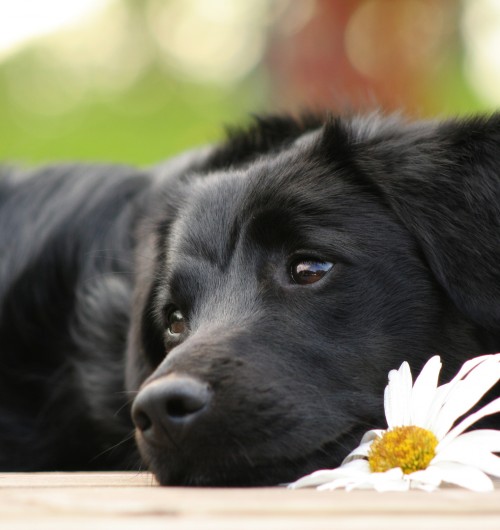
(307, 271)
(176, 323)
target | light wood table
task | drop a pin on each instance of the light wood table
(73, 501)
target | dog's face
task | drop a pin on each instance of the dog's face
(272, 301)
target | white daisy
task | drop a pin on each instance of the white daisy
(422, 447)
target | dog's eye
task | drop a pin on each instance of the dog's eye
(305, 272)
(176, 323)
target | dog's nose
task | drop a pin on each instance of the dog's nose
(169, 406)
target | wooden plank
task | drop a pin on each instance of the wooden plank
(53, 479)
(131, 500)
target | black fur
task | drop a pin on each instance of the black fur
(94, 259)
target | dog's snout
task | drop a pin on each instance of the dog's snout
(169, 406)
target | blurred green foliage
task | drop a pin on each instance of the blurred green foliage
(141, 80)
(156, 117)
(62, 96)
(183, 115)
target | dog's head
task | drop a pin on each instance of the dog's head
(288, 273)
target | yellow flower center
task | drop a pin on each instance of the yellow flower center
(411, 448)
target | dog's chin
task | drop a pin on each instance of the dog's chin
(239, 471)
(236, 477)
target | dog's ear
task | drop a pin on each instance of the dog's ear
(443, 182)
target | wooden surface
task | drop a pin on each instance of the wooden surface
(73, 501)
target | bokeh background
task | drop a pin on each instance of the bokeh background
(138, 80)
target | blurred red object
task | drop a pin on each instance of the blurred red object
(362, 54)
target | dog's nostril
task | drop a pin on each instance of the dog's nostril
(142, 421)
(180, 406)
(168, 406)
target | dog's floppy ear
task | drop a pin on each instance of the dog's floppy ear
(443, 181)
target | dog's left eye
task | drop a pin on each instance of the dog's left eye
(305, 271)
(176, 323)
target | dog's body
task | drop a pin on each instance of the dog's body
(258, 293)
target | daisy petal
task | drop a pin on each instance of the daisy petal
(466, 393)
(369, 436)
(397, 396)
(364, 446)
(435, 407)
(474, 451)
(469, 365)
(429, 488)
(391, 480)
(464, 476)
(424, 391)
(431, 476)
(406, 389)
(391, 485)
(487, 462)
(344, 482)
(321, 476)
(426, 479)
(360, 451)
(487, 410)
(443, 390)
(393, 413)
(486, 439)
(351, 470)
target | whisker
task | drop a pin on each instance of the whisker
(120, 409)
(113, 447)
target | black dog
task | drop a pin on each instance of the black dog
(257, 293)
